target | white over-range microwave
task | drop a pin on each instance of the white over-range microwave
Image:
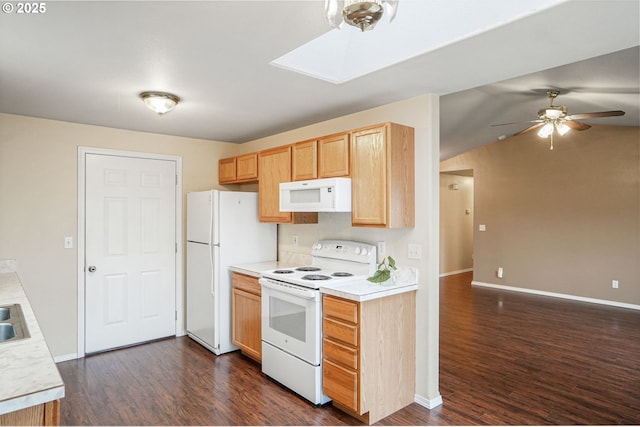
(316, 195)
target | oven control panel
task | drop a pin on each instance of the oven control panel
(345, 250)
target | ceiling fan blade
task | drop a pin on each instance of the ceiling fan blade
(521, 121)
(595, 115)
(529, 129)
(576, 125)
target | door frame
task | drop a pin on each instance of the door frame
(179, 285)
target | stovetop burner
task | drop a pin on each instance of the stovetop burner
(341, 274)
(283, 271)
(308, 268)
(315, 277)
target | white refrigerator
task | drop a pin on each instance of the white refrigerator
(222, 230)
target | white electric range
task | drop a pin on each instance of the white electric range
(292, 312)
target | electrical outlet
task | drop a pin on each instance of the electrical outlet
(414, 251)
(500, 272)
(615, 284)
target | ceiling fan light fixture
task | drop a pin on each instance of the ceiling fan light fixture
(160, 102)
(546, 130)
(361, 14)
(562, 128)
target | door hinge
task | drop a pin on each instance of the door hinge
(176, 314)
(176, 247)
(176, 179)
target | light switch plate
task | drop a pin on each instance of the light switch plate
(414, 251)
(68, 242)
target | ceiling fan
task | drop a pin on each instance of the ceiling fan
(554, 118)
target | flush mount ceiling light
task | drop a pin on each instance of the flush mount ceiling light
(361, 14)
(160, 102)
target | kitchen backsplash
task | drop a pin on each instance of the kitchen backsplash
(336, 226)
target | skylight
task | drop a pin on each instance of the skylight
(420, 26)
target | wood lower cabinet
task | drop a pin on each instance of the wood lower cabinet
(383, 176)
(368, 354)
(46, 414)
(246, 309)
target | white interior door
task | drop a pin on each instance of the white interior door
(130, 247)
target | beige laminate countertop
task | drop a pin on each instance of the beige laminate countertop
(29, 374)
(356, 290)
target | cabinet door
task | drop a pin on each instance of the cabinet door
(304, 162)
(333, 156)
(369, 177)
(274, 167)
(247, 333)
(247, 167)
(227, 170)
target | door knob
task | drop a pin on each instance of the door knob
(92, 269)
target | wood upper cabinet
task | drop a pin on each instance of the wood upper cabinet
(333, 156)
(368, 354)
(238, 169)
(304, 160)
(247, 167)
(274, 167)
(227, 170)
(383, 176)
(247, 309)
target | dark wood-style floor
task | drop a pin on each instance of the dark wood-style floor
(505, 358)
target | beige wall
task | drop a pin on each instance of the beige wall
(565, 221)
(38, 199)
(456, 223)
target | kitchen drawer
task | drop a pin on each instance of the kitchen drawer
(340, 331)
(246, 283)
(340, 309)
(337, 352)
(340, 384)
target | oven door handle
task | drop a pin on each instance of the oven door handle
(310, 294)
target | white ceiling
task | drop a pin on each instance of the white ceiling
(86, 62)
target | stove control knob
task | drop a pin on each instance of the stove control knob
(364, 252)
(357, 251)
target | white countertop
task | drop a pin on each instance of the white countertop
(363, 290)
(29, 374)
(256, 269)
(356, 290)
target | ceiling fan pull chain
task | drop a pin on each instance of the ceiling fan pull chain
(551, 148)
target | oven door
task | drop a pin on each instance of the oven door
(291, 319)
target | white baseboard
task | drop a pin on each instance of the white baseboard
(451, 273)
(557, 295)
(66, 357)
(428, 403)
